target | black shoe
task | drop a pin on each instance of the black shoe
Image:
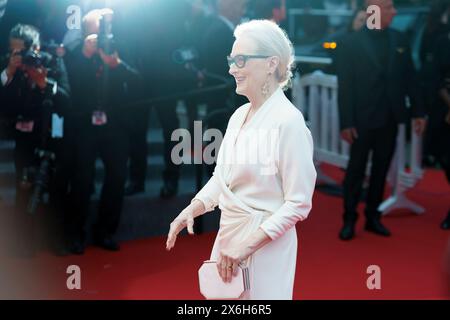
(169, 189)
(347, 231)
(374, 225)
(76, 247)
(107, 243)
(446, 223)
(134, 188)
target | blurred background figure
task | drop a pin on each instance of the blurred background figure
(216, 46)
(356, 23)
(433, 40)
(170, 45)
(375, 73)
(435, 77)
(274, 10)
(101, 80)
(33, 86)
(335, 22)
(440, 114)
(218, 38)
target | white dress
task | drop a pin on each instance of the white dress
(273, 192)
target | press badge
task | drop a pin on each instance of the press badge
(57, 126)
(25, 126)
(99, 118)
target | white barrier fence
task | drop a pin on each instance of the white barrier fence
(316, 96)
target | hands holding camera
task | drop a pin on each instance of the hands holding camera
(90, 48)
(36, 74)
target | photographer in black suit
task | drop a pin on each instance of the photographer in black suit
(101, 82)
(34, 85)
(375, 73)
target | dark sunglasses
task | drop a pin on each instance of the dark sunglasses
(241, 59)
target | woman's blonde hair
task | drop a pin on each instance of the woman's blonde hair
(271, 40)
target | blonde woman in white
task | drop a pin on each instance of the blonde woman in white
(260, 201)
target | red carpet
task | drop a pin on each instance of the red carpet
(411, 261)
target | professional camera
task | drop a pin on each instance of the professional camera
(31, 58)
(106, 40)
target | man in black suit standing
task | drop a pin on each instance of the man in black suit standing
(375, 73)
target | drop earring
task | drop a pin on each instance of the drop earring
(265, 87)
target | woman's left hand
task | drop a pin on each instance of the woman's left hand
(229, 260)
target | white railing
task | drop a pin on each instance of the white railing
(316, 96)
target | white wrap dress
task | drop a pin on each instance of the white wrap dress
(272, 193)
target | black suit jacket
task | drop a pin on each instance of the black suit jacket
(94, 90)
(367, 89)
(217, 45)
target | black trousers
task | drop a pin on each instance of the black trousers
(169, 122)
(138, 145)
(24, 159)
(111, 145)
(61, 181)
(381, 142)
(437, 137)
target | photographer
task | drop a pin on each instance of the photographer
(101, 82)
(34, 85)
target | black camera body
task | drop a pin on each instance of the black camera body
(32, 58)
(106, 40)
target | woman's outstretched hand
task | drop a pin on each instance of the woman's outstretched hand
(183, 220)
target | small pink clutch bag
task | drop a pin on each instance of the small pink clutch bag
(212, 287)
